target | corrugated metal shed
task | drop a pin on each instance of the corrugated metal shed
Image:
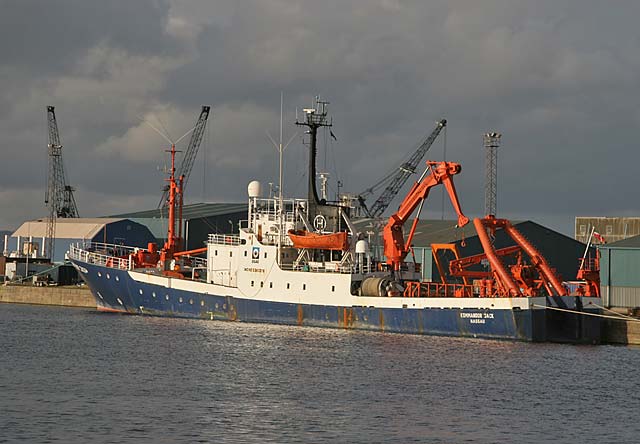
(613, 229)
(71, 228)
(620, 273)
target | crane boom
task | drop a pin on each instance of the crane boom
(404, 171)
(190, 153)
(59, 195)
(395, 246)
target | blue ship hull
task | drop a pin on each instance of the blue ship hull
(116, 291)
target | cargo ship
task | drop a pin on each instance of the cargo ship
(302, 261)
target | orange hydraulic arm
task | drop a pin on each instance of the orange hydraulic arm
(395, 247)
(550, 279)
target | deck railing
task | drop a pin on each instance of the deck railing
(108, 255)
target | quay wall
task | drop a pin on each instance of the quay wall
(620, 332)
(68, 296)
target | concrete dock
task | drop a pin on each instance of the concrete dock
(68, 296)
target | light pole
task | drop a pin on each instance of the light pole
(231, 223)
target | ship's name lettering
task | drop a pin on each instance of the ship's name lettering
(254, 270)
(476, 318)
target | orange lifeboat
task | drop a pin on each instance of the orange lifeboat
(330, 241)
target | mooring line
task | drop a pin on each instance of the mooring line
(614, 312)
(585, 313)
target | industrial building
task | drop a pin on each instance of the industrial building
(28, 241)
(619, 277)
(608, 229)
(198, 221)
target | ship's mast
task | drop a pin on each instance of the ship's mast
(175, 200)
(315, 118)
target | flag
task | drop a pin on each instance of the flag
(599, 237)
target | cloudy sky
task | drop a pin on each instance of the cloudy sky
(559, 80)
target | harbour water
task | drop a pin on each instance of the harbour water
(78, 376)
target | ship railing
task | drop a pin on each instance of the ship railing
(108, 255)
(326, 268)
(224, 239)
(415, 289)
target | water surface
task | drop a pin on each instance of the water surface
(77, 376)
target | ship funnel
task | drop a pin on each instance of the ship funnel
(254, 189)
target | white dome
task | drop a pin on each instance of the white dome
(254, 189)
(362, 246)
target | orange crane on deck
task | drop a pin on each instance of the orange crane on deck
(395, 246)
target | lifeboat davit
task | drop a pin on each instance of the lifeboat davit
(330, 241)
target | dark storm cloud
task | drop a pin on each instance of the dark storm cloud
(45, 38)
(555, 77)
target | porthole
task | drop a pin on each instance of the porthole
(108, 276)
(288, 285)
(333, 288)
(265, 254)
(153, 294)
(231, 254)
(120, 302)
(365, 318)
(99, 295)
(117, 278)
(99, 274)
(166, 296)
(224, 306)
(304, 286)
(190, 301)
(217, 306)
(140, 291)
(180, 299)
(252, 283)
(261, 284)
(326, 316)
(202, 303)
(270, 284)
(245, 253)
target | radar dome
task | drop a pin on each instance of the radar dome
(362, 246)
(254, 189)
